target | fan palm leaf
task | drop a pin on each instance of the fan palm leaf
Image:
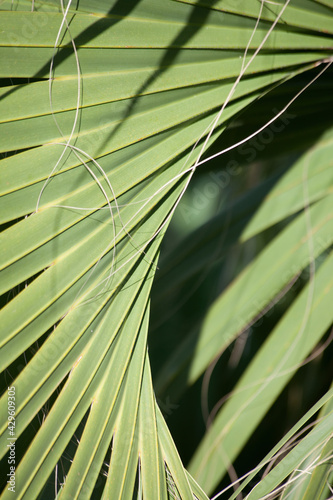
(109, 110)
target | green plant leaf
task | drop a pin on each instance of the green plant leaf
(321, 432)
(281, 355)
(249, 295)
(105, 108)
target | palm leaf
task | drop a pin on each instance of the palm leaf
(96, 150)
(287, 346)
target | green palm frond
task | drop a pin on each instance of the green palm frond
(105, 109)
